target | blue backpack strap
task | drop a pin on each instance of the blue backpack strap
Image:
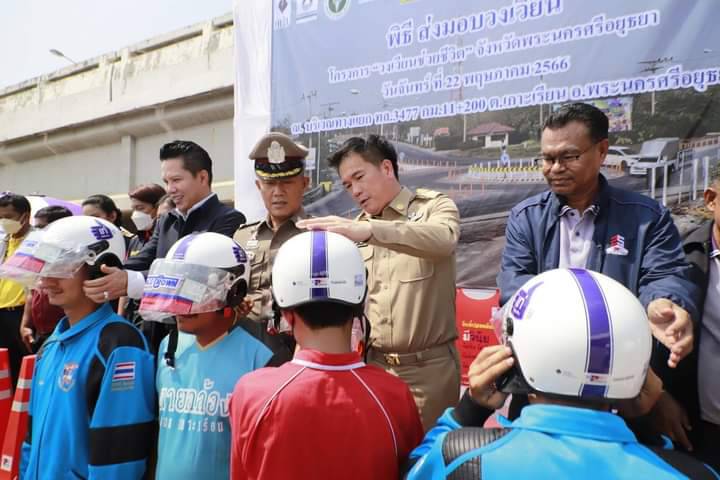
(461, 441)
(685, 464)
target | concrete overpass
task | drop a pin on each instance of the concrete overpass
(97, 126)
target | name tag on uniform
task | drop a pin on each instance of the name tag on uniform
(252, 244)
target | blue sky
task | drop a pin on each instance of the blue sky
(82, 29)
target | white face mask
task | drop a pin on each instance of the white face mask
(142, 220)
(10, 226)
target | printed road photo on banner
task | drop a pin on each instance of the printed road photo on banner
(462, 89)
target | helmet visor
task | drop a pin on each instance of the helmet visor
(177, 288)
(37, 258)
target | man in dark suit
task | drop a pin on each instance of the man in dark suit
(187, 172)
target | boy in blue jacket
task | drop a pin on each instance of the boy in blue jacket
(577, 364)
(92, 402)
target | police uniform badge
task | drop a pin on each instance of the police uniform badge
(276, 153)
(68, 376)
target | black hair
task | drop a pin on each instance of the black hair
(317, 315)
(106, 204)
(52, 213)
(19, 203)
(373, 150)
(194, 157)
(150, 193)
(592, 117)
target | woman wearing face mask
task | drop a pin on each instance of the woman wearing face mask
(144, 201)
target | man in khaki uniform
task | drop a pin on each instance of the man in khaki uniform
(279, 167)
(408, 241)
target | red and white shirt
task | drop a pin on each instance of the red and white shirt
(322, 416)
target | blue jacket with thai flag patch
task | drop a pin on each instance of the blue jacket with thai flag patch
(92, 403)
(547, 442)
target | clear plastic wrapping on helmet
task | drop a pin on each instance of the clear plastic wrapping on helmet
(37, 258)
(178, 288)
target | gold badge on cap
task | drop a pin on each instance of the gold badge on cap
(276, 153)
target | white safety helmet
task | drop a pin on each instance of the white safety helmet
(575, 333)
(202, 272)
(63, 247)
(318, 266)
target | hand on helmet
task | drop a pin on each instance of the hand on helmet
(487, 367)
(357, 231)
(109, 287)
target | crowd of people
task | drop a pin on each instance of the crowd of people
(204, 346)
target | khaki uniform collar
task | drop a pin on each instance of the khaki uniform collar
(299, 215)
(399, 204)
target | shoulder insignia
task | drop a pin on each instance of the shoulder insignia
(248, 225)
(126, 233)
(426, 193)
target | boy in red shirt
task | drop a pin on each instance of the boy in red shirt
(325, 414)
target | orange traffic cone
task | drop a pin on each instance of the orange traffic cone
(5, 389)
(17, 423)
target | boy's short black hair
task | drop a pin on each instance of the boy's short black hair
(317, 315)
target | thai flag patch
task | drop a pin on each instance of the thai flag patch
(123, 377)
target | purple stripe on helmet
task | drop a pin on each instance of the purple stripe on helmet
(181, 250)
(599, 357)
(319, 265)
(593, 390)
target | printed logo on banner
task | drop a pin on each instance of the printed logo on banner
(306, 10)
(281, 14)
(336, 9)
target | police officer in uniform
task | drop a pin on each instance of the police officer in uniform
(279, 167)
(408, 241)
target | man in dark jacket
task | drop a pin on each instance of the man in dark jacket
(583, 222)
(187, 172)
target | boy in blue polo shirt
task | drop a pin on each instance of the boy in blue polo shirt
(201, 281)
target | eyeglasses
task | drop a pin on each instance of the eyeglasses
(564, 158)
